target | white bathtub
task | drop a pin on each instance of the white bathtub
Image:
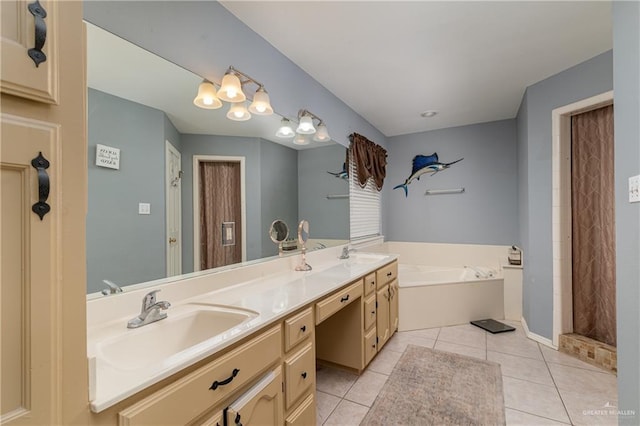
(432, 296)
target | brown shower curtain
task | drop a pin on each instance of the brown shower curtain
(219, 202)
(593, 227)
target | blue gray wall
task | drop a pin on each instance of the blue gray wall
(486, 213)
(123, 246)
(328, 218)
(279, 191)
(626, 85)
(205, 38)
(582, 81)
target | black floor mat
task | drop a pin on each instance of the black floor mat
(492, 326)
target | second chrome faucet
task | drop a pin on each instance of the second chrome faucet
(150, 311)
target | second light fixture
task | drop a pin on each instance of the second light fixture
(231, 91)
(305, 129)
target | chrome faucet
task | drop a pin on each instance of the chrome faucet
(113, 288)
(345, 252)
(150, 311)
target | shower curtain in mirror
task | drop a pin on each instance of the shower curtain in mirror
(593, 226)
(219, 202)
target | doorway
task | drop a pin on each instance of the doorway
(173, 176)
(219, 216)
(562, 228)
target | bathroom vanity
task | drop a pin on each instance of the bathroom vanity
(261, 370)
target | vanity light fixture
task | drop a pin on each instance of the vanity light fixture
(231, 91)
(322, 134)
(301, 139)
(285, 130)
(306, 125)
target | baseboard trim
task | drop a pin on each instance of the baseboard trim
(536, 337)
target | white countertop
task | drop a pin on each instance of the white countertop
(273, 297)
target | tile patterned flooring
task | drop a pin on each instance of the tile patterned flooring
(541, 386)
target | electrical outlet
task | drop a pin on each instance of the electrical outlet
(634, 189)
(144, 208)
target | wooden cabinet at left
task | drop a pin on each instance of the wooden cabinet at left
(43, 158)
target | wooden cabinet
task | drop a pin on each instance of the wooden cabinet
(386, 302)
(261, 405)
(187, 398)
(382, 320)
(370, 312)
(305, 414)
(369, 283)
(216, 419)
(43, 275)
(337, 301)
(300, 368)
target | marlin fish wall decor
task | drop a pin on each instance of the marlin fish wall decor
(424, 164)
(343, 174)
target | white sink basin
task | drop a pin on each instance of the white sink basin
(165, 340)
(359, 258)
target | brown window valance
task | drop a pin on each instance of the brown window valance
(370, 160)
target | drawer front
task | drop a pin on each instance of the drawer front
(213, 420)
(304, 415)
(333, 304)
(300, 373)
(298, 328)
(190, 396)
(369, 283)
(369, 311)
(370, 348)
(386, 274)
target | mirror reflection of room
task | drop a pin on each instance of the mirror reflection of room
(141, 216)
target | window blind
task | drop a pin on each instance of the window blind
(364, 206)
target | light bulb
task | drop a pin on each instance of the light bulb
(260, 104)
(301, 139)
(231, 88)
(238, 112)
(285, 130)
(322, 134)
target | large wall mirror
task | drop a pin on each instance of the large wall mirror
(141, 222)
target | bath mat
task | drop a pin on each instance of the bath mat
(429, 387)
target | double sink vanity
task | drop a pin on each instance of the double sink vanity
(240, 344)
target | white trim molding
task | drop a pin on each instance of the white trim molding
(536, 337)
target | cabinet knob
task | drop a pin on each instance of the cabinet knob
(303, 328)
(389, 274)
(304, 374)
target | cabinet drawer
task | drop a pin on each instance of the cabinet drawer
(213, 420)
(304, 415)
(299, 373)
(386, 274)
(298, 328)
(333, 304)
(369, 311)
(184, 400)
(369, 283)
(259, 406)
(370, 349)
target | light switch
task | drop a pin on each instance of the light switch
(634, 189)
(144, 208)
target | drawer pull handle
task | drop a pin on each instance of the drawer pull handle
(215, 384)
(39, 13)
(303, 328)
(373, 312)
(344, 299)
(389, 274)
(237, 420)
(304, 375)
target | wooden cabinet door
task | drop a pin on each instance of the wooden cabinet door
(393, 306)
(382, 316)
(43, 277)
(261, 405)
(20, 75)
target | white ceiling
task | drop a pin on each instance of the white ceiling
(390, 61)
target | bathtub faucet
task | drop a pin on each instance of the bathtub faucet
(479, 273)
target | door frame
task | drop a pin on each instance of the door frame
(561, 209)
(170, 149)
(197, 159)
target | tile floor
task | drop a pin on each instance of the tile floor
(541, 386)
